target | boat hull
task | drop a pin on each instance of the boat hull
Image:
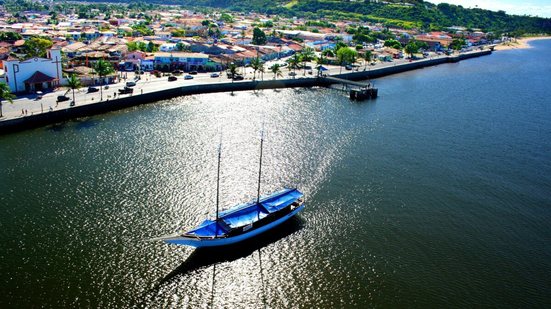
(224, 241)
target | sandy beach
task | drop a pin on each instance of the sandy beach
(520, 43)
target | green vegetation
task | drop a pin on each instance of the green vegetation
(319, 13)
(420, 14)
(346, 55)
(10, 36)
(74, 83)
(5, 94)
(256, 64)
(259, 37)
(103, 68)
(36, 47)
(227, 18)
(393, 43)
(142, 29)
(457, 43)
(276, 69)
(413, 47)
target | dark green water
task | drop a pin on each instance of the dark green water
(437, 194)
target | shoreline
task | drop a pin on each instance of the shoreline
(523, 43)
(66, 113)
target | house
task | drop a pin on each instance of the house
(181, 61)
(34, 74)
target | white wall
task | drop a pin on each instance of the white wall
(17, 72)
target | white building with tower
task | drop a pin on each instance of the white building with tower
(34, 74)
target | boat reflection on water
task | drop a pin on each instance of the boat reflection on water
(203, 257)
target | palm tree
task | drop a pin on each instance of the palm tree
(5, 94)
(319, 61)
(256, 64)
(74, 83)
(307, 54)
(103, 68)
(233, 70)
(276, 69)
(293, 62)
(261, 69)
(367, 56)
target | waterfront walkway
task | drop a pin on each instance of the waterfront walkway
(28, 106)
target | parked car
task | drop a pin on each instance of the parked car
(215, 75)
(130, 84)
(92, 89)
(238, 77)
(188, 77)
(126, 90)
(172, 78)
(193, 72)
(292, 73)
(62, 98)
(177, 72)
(348, 67)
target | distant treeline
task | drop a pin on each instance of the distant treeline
(407, 14)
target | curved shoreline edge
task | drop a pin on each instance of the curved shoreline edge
(57, 116)
(523, 43)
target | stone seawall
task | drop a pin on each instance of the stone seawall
(37, 120)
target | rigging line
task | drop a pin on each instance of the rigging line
(212, 288)
(264, 300)
(260, 165)
(218, 184)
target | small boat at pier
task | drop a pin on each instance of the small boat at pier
(242, 221)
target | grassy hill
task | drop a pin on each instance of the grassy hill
(406, 13)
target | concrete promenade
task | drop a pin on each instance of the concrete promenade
(27, 112)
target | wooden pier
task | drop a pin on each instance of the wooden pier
(362, 90)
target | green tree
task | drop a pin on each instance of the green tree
(182, 47)
(5, 94)
(319, 63)
(36, 47)
(307, 54)
(10, 36)
(232, 68)
(103, 68)
(328, 52)
(276, 70)
(227, 18)
(178, 32)
(259, 37)
(411, 48)
(368, 55)
(293, 62)
(457, 43)
(346, 55)
(151, 47)
(256, 64)
(74, 83)
(393, 44)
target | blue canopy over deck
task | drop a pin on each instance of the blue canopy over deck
(245, 216)
(208, 228)
(277, 202)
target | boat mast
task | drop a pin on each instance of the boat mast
(218, 188)
(260, 167)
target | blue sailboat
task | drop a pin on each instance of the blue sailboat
(242, 221)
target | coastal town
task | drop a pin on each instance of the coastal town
(44, 54)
